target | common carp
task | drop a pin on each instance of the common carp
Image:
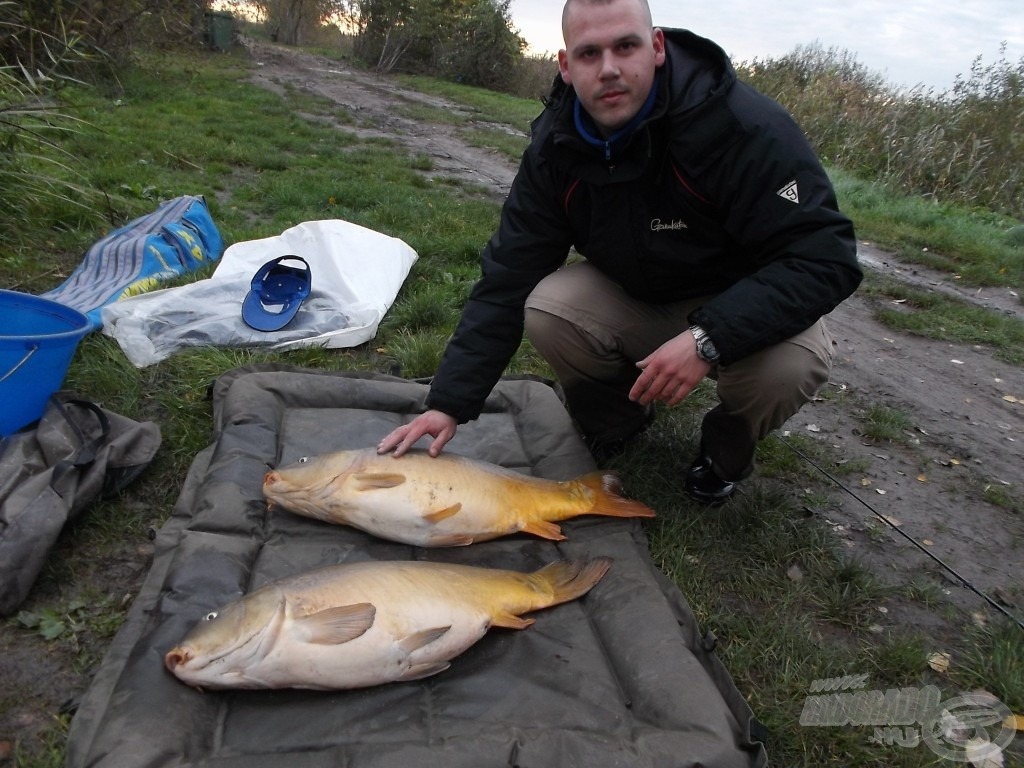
(446, 501)
(361, 624)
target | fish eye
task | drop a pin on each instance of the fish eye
(303, 459)
(210, 616)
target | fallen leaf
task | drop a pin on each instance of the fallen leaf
(953, 729)
(957, 362)
(1014, 721)
(1010, 399)
(813, 428)
(939, 661)
(1003, 596)
(979, 619)
(865, 482)
(795, 573)
(955, 462)
(922, 478)
(880, 492)
(892, 521)
(982, 753)
(927, 542)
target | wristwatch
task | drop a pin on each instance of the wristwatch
(705, 346)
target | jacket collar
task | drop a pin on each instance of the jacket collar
(611, 146)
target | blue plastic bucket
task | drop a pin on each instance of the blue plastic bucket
(38, 338)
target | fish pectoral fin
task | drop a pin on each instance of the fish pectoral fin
(422, 638)
(443, 514)
(369, 481)
(510, 621)
(544, 529)
(333, 626)
(419, 671)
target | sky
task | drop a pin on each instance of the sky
(909, 42)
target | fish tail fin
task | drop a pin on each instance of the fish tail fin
(569, 579)
(606, 489)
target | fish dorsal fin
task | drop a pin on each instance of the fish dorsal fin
(369, 481)
(333, 626)
(544, 529)
(422, 638)
(443, 514)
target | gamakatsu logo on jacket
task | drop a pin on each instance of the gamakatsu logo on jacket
(657, 225)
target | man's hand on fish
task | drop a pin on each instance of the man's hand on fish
(437, 424)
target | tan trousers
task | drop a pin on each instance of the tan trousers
(592, 333)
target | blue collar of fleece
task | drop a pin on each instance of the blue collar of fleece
(587, 129)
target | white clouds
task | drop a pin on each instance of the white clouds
(914, 42)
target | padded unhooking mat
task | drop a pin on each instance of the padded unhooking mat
(617, 678)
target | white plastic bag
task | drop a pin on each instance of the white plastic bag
(356, 275)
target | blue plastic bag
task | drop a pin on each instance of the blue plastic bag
(177, 238)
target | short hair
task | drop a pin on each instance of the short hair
(565, 10)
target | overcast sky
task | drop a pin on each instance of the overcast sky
(908, 42)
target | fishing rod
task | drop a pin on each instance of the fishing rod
(963, 580)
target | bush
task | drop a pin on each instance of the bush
(963, 146)
(106, 29)
(34, 170)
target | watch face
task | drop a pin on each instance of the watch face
(708, 351)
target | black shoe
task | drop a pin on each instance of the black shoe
(703, 485)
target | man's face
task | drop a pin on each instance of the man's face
(610, 56)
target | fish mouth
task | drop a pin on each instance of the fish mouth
(176, 657)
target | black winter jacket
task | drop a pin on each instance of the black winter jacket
(717, 193)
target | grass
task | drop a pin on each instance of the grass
(882, 424)
(936, 316)
(980, 248)
(787, 606)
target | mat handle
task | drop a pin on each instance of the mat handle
(20, 363)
